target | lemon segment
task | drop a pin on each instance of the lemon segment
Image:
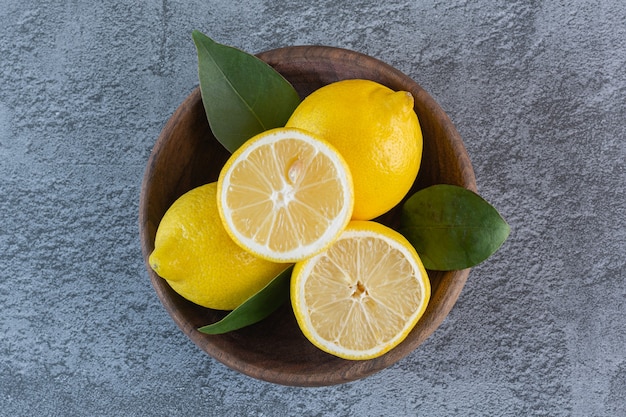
(285, 195)
(362, 296)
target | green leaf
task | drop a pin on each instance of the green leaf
(255, 308)
(242, 95)
(452, 227)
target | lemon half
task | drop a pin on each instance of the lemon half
(362, 296)
(285, 195)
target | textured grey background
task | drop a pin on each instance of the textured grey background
(537, 90)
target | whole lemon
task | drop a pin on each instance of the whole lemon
(376, 131)
(198, 259)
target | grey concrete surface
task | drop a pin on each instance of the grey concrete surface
(537, 90)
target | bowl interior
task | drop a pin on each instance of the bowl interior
(187, 155)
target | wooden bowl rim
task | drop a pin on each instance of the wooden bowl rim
(440, 304)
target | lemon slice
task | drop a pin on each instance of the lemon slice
(285, 195)
(362, 296)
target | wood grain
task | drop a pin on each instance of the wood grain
(187, 155)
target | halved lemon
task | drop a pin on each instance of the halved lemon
(362, 296)
(285, 195)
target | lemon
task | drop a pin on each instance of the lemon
(362, 296)
(285, 195)
(377, 132)
(198, 259)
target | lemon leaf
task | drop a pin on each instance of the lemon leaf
(255, 308)
(451, 227)
(241, 94)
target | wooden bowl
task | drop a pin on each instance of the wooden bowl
(187, 155)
